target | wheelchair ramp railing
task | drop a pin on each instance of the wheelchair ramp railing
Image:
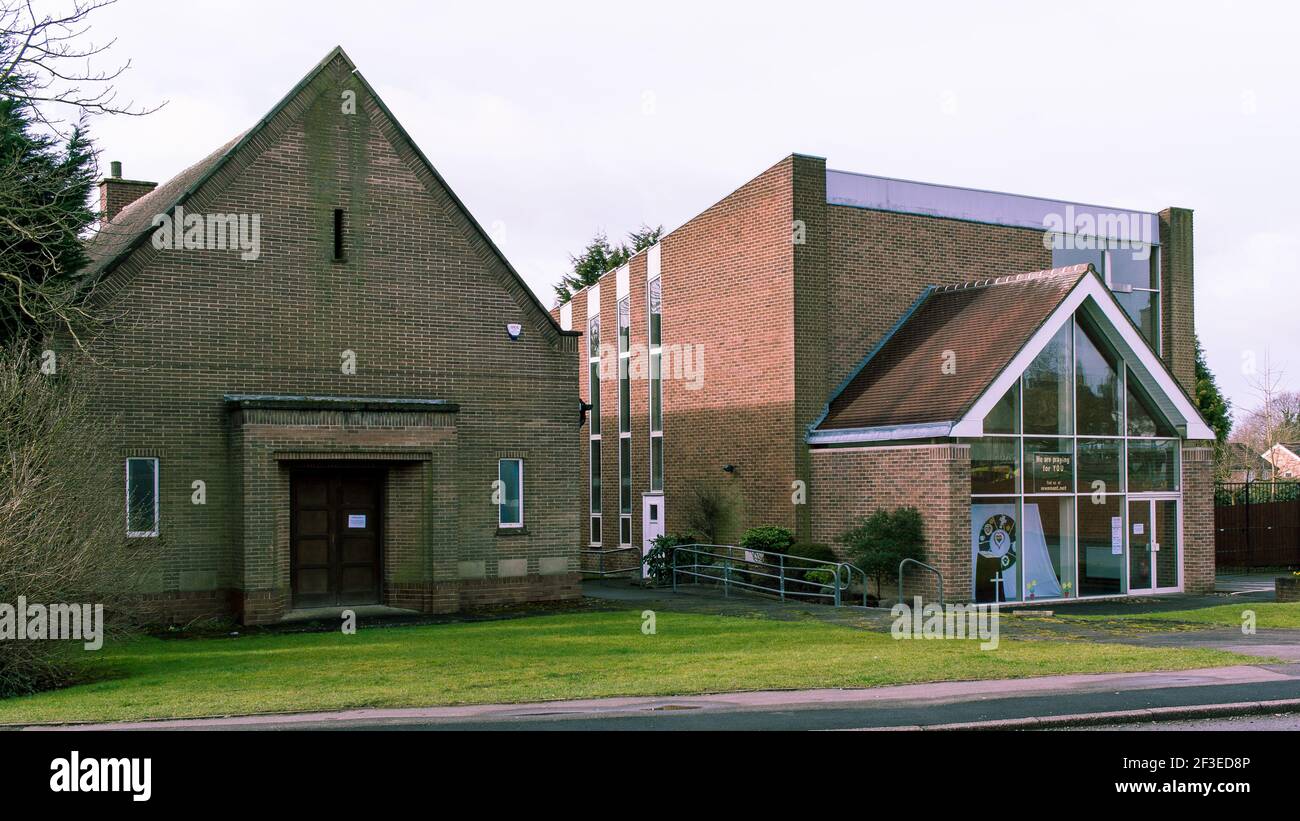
(612, 567)
(772, 574)
(917, 563)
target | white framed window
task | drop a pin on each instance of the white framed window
(654, 308)
(510, 473)
(593, 422)
(624, 422)
(141, 497)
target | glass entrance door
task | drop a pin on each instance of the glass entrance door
(1153, 544)
(1167, 548)
(1141, 569)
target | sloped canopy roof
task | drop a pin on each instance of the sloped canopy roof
(960, 348)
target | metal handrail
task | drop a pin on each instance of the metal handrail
(600, 553)
(725, 571)
(919, 563)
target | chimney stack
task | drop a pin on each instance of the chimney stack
(116, 193)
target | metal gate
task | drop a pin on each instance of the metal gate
(1257, 524)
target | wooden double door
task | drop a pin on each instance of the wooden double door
(337, 545)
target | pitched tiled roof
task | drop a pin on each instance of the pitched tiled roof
(133, 222)
(983, 324)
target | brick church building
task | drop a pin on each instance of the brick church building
(329, 387)
(821, 344)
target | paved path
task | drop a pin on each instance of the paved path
(909, 706)
(1245, 582)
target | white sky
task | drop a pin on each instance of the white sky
(555, 119)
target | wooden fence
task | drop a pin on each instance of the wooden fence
(1257, 524)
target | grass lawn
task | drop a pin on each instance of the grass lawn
(546, 657)
(1267, 615)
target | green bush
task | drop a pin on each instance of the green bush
(770, 541)
(880, 541)
(818, 577)
(811, 550)
(659, 560)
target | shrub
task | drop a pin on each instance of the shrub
(812, 550)
(61, 536)
(659, 559)
(819, 577)
(880, 541)
(709, 513)
(769, 541)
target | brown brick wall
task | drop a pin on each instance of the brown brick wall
(421, 299)
(116, 194)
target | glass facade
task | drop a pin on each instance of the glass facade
(1133, 273)
(1067, 453)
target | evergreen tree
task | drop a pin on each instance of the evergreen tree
(1216, 409)
(45, 188)
(599, 257)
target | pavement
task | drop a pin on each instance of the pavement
(1016, 703)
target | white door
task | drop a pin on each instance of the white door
(652, 525)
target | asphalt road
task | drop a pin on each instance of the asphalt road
(1277, 723)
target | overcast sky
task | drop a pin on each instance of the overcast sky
(554, 119)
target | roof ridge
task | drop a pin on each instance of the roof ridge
(1048, 273)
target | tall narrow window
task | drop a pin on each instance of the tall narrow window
(141, 497)
(1134, 275)
(624, 422)
(654, 290)
(593, 464)
(338, 234)
(1132, 272)
(510, 472)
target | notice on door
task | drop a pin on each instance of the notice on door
(1117, 535)
(356, 520)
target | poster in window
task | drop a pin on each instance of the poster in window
(1051, 472)
(993, 543)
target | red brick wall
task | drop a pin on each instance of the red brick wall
(1198, 520)
(1177, 307)
(727, 279)
(879, 262)
(728, 285)
(116, 194)
(852, 483)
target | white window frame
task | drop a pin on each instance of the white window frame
(520, 523)
(141, 534)
(1124, 495)
(655, 349)
(624, 366)
(595, 533)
